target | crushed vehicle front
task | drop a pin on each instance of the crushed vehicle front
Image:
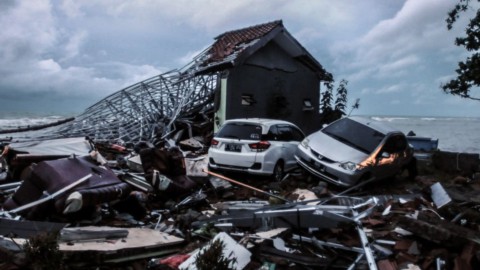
(354, 149)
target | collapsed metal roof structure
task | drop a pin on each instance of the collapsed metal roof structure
(147, 109)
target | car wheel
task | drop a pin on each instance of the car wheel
(278, 172)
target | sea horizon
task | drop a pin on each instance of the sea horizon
(12, 114)
(455, 133)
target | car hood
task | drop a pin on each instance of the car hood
(334, 149)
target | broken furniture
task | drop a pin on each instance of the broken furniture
(99, 185)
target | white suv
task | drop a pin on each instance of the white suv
(255, 145)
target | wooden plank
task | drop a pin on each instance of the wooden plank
(141, 238)
(140, 243)
(79, 234)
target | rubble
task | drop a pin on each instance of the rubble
(159, 207)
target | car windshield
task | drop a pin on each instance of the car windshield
(241, 131)
(354, 134)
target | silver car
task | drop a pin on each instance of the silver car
(255, 145)
(353, 149)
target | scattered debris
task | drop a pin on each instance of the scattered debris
(161, 206)
(232, 255)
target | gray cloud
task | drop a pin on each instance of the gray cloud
(81, 51)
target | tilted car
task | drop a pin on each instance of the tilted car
(353, 149)
(255, 145)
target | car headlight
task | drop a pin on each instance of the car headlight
(305, 143)
(348, 166)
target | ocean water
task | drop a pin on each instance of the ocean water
(24, 120)
(455, 134)
(9, 121)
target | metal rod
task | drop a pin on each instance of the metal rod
(244, 185)
(49, 197)
(320, 243)
(372, 265)
(362, 183)
(354, 264)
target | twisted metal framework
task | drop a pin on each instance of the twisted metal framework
(146, 109)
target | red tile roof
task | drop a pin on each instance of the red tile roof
(226, 43)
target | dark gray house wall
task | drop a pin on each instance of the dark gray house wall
(272, 84)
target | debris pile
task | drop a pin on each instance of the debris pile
(157, 206)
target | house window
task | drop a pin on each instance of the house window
(248, 100)
(307, 105)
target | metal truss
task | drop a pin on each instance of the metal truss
(146, 110)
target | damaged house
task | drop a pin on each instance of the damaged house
(267, 73)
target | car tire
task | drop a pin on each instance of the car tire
(278, 172)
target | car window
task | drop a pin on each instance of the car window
(289, 133)
(272, 134)
(285, 133)
(241, 131)
(297, 134)
(354, 134)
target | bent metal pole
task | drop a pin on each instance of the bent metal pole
(244, 185)
(49, 197)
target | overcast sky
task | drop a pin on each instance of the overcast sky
(62, 56)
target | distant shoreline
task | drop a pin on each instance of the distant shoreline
(35, 127)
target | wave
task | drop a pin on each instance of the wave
(388, 119)
(12, 122)
(474, 119)
(422, 118)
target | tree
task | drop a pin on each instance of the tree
(331, 113)
(341, 101)
(356, 105)
(326, 100)
(468, 71)
(326, 110)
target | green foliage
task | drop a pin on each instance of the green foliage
(454, 14)
(356, 105)
(326, 99)
(42, 252)
(468, 71)
(341, 101)
(328, 112)
(212, 258)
